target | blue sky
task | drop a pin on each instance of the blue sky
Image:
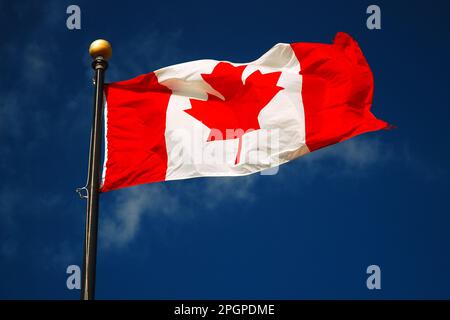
(308, 232)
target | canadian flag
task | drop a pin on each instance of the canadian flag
(218, 118)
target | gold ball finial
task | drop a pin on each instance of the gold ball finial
(101, 48)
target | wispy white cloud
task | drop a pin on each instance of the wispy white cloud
(357, 153)
(130, 207)
(355, 156)
(219, 190)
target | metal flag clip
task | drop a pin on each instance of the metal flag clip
(83, 192)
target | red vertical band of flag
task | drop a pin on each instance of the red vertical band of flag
(337, 91)
(136, 122)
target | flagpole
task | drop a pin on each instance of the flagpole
(100, 51)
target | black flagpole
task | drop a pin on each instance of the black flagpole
(100, 51)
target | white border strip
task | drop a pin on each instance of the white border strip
(105, 115)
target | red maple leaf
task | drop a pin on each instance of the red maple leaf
(236, 112)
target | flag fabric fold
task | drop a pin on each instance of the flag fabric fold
(218, 118)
